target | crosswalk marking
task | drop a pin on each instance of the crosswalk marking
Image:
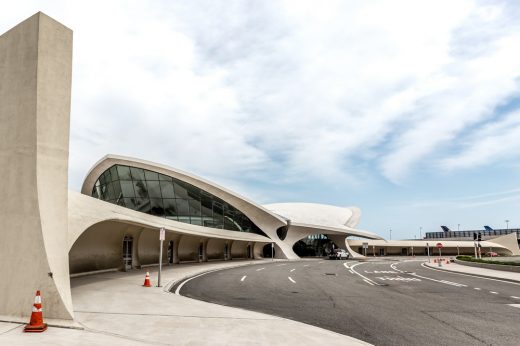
(396, 278)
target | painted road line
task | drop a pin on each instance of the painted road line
(439, 281)
(394, 268)
(514, 305)
(290, 279)
(360, 275)
(260, 269)
(368, 282)
(305, 265)
(478, 289)
(473, 276)
(515, 297)
(493, 292)
(351, 272)
(292, 270)
(243, 278)
(283, 264)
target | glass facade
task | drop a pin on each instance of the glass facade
(161, 195)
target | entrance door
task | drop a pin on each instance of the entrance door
(170, 252)
(127, 252)
(404, 251)
(249, 251)
(201, 252)
(382, 252)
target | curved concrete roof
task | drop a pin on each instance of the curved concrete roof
(313, 213)
(258, 214)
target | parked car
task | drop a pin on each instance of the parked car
(339, 254)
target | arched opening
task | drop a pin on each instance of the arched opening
(314, 245)
(281, 232)
(268, 251)
(128, 245)
(170, 252)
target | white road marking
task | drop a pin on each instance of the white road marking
(440, 281)
(493, 292)
(305, 265)
(320, 262)
(351, 272)
(292, 270)
(381, 272)
(515, 297)
(360, 275)
(243, 278)
(514, 305)
(283, 264)
(290, 279)
(260, 269)
(368, 282)
(478, 289)
(394, 268)
(397, 278)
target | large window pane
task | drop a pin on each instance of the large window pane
(183, 208)
(167, 189)
(127, 187)
(105, 178)
(124, 173)
(156, 207)
(154, 191)
(109, 192)
(180, 191)
(140, 189)
(137, 173)
(117, 190)
(170, 208)
(113, 173)
(194, 208)
(165, 177)
(142, 205)
(149, 175)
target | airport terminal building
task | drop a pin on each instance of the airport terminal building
(48, 233)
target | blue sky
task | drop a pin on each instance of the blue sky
(409, 110)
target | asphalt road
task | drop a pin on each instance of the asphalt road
(382, 302)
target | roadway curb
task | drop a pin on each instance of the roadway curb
(471, 274)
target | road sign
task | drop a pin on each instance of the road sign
(365, 245)
(439, 245)
(162, 234)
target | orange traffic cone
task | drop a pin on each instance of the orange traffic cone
(147, 280)
(36, 324)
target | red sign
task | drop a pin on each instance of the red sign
(439, 245)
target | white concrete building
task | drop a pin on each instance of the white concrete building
(48, 233)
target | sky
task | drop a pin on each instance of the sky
(409, 110)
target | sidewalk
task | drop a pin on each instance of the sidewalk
(484, 272)
(115, 309)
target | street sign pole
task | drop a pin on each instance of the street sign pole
(428, 251)
(161, 239)
(439, 246)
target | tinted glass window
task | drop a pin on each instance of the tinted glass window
(160, 195)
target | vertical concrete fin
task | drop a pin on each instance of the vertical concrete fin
(35, 78)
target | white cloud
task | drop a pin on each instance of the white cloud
(295, 89)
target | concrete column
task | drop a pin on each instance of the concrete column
(35, 80)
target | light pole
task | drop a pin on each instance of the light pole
(390, 234)
(420, 232)
(507, 224)
(458, 227)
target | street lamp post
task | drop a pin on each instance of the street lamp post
(507, 224)
(390, 234)
(458, 227)
(420, 232)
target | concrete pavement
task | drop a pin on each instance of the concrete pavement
(484, 272)
(114, 309)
